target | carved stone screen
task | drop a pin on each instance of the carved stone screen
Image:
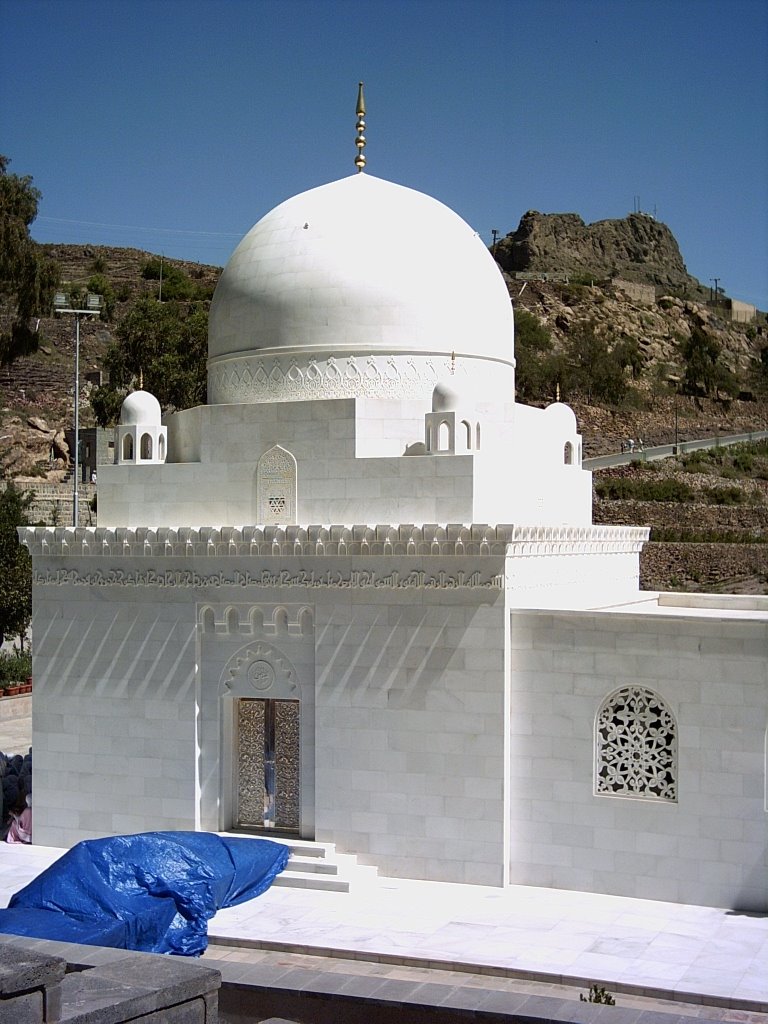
(276, 487)
(636, 741)
(267, 758)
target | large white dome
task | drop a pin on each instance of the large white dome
(356, 287)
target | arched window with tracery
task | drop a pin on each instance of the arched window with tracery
(636, 746)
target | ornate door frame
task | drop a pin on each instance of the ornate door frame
(246, 650)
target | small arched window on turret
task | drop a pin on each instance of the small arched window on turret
(568, 453)
(127, 447)
(146, 446)
(468, 428)
(444, 437)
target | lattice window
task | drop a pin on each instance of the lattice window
(276, 487)
(636, 746)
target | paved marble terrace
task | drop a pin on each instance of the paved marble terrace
(661, 951)
(639, 949)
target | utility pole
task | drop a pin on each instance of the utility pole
(495, 234)
(93, 308)
(716, 281)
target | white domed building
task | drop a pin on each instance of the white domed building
(358, 597)
(140, 437)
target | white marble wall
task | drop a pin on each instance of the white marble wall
(113, 712)
(710, 847)
(402, 692)
(350, 468)
(411, 736)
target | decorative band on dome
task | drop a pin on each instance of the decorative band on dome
(256, 379)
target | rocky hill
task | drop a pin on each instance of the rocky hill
(636, 248)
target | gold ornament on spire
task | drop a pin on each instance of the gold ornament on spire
(360, 140)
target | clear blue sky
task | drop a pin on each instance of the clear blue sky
(174, 125)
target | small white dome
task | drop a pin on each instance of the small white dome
(455, 393)
(140, 408)
(445, 397)
(562, 416)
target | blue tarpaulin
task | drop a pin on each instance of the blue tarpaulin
(154, 892)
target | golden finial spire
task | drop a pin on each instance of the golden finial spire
(360, 140)
(141, 379)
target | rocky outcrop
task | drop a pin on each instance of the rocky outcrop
(636, 248)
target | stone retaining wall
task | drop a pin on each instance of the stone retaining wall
(751, 518)
(702, 566)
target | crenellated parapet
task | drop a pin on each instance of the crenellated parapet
(452, 539)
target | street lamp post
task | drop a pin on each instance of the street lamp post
(93, 308)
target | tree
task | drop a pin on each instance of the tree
(27, 277)
(166, 344)
(15, 566)
(593, 371)
(537, 367)
(704, 371)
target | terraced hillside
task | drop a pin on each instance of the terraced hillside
(708, 513)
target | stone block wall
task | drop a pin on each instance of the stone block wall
(708, 845)
(39, 985)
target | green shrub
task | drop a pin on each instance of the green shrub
(102, 286)
(598, 994)
(176, 285)
(725, 495)
(627, 489)
(744, 462)
(685, 535)
(15, 667)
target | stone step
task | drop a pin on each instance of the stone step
(320, 866)
(312, 880)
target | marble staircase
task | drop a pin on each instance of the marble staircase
(321, 867)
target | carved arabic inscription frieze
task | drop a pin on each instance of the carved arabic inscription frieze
(357, 579)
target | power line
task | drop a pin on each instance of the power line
(138, 227)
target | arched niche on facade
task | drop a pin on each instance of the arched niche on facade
(276, 487)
